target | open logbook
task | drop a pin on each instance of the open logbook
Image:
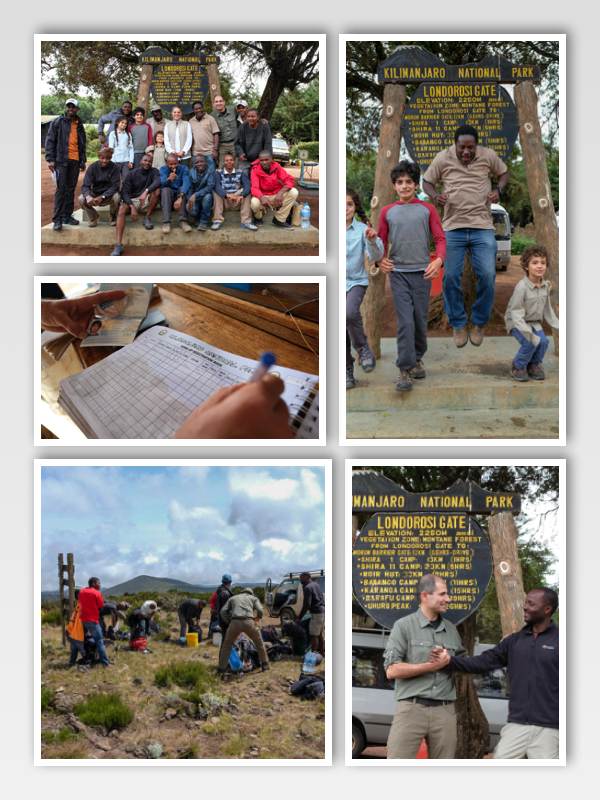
(148, 388)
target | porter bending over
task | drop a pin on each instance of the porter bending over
(240, 614)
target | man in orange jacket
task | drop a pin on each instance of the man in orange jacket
(272, 189)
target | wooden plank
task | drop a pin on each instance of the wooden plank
(301, 297)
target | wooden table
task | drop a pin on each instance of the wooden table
(219, 328)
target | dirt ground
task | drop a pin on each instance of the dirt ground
(263, 720)
(304, 196)
(505, 284)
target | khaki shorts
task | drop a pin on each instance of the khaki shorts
(138, 205)
(527, 741)
(317, 622)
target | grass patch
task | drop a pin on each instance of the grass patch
(187, 674)
(52, 617)
(234, 747)
(163, 636)
(104, 710)
(47, 697)
(192, 751)
(68, 750)
(63, 735)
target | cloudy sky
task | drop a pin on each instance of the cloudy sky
(189, 523)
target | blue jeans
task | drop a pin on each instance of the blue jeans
(96, 632)
(202, 207)
(528, 352)
(76, 647)
(482, 246)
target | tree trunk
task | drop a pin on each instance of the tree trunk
(503, 534)
(390, 136)
(212, 70)
(540, 194)
(144, 91)
(469, 284)
(472, 725)
(271, 94)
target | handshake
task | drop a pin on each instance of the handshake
(439, 656)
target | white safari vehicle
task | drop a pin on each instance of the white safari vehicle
(286, 598)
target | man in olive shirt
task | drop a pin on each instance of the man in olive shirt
(466, 197)
(226, 117)
(425, 708)
(240, 613)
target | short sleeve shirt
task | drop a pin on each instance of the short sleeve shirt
(467, 187)
(202, 131)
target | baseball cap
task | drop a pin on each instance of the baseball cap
(72, 100)
(226, 578)
(241, 103)
(155, 107)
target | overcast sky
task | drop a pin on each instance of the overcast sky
(188, 523)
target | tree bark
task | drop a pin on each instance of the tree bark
(503, 534)
(144, 91)
(390, 136)
(212, 70)
(472, 725)
(540, 194)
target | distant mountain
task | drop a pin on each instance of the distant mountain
(146, 583)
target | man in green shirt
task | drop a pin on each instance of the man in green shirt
(241, 613)
(425, 708)
(226, 117)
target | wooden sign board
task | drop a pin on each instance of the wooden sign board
(178, 80)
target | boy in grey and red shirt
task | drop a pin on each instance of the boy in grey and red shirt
(406, 226)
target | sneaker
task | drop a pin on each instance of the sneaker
(366, 358)
(266, 667)
(418, 371)
(57, 226)
(202, 226)
(166, 228)
(184, 226)
(404, 382)
(216, 225)
(285, 225)
(70, 221)
(112, 220)
(476, 335)
(536, 371)
(92, 223)
(518, 374)
(144, 652)
(350, 382)
(148, 224)
(251, 226)
(257, 221)
(117, 250)
(460, 336)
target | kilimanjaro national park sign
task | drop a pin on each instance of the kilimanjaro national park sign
(178, 80)
(418, 534)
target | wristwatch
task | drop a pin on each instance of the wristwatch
(499, 190)
(104, 197)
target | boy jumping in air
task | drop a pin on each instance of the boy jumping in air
(407, 226)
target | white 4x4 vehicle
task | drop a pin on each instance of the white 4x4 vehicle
(503, 232)
(286, 599)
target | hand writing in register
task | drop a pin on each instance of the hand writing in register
(244, 411)
(73, 316)
(439, 656)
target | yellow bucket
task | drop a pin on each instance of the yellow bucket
(192, 639)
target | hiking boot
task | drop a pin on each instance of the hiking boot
(202, 226)
(92, 223)
(117, 250)
(285, 225)
(147, 224)
(184, 226)
(350, 382)
(166, 228)
(257, 221)
(70, 221)
(476, 335)
(418, 371)
(266, 667)
(404, 382)
(460, 336)
(366, 358)
(112, 220)
(57, 226)
(536, 371)
(518, 374)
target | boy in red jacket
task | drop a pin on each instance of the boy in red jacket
(272, 188)
(91, 601)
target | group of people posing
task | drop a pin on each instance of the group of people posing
(213, 162)
(401, 248)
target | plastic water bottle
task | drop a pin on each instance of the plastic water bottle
(305, 215)
(310, 659)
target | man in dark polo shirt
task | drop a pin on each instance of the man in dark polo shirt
(101, 187)
(140, 192)
(466, 197)
(315, 603)
(115, 612)
(66, 157)
(91, 601)
(531, 656)
(252, 137)
(425, 707)
(226, 117)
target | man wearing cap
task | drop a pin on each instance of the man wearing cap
(252, 137)
(101, 187)
(115, 612)
(223, 594)
(240, 614)
(226, 117)
(111, 118)
(157, 122)
(66, 157)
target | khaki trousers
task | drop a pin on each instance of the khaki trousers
(222, 202)
(414, 722)
(281, 214)
(527, 741)
(114, 201)
(224, 149)
(252, 631)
